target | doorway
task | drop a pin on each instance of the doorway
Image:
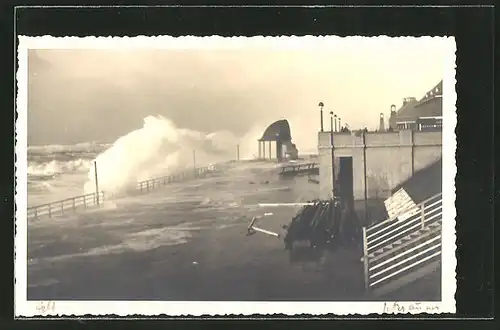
(345, 179)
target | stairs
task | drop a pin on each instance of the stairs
(397, 253)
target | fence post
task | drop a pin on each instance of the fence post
(365, 259)
(62, 208)
(74, 206)
(50, 211)
(96, 183)
(194, 162)
(422, 215)
(85, 201)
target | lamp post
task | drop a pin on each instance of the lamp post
(335, 122)
(333, 152)
(321, 113)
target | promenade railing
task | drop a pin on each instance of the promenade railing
(82, 202)
(65, 206)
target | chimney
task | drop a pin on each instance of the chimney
(407, 100)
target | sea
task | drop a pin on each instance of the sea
(157, 149)
(184, 241)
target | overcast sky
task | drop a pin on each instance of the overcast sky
(99, 95)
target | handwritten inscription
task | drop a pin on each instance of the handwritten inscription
(45, 307)
(412, 308)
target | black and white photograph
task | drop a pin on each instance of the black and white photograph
(244, 175)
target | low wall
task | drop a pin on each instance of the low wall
(389, 158)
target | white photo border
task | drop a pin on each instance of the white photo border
(25, 308)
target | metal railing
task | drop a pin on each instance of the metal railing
(295, 168)
(151, 184)
(83, 202)
(64, 206)
(395, 248)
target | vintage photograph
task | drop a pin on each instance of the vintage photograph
(237, 171)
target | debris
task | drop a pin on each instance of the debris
(252, 229)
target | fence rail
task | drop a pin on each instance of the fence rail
(298, 168)
(82, 202)
(148, 185)
(394, 248)
(64, 206)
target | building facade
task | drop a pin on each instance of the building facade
(278, 138)
(368, 165)
(423, 115)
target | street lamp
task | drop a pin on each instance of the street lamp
(321, 112)
(335, 122)
(333, 152)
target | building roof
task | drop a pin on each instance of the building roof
(277, 131)
(424, 183)
(430, 105)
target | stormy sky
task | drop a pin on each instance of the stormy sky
(84, 95)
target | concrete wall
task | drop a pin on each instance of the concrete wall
(391, 158)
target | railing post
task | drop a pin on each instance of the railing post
(147, 186)
(74, 206)
(365, 259)
(50, 211)
(85, 201)
(36, 212)
(94, 198)
(422, 215)
(62, 208)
